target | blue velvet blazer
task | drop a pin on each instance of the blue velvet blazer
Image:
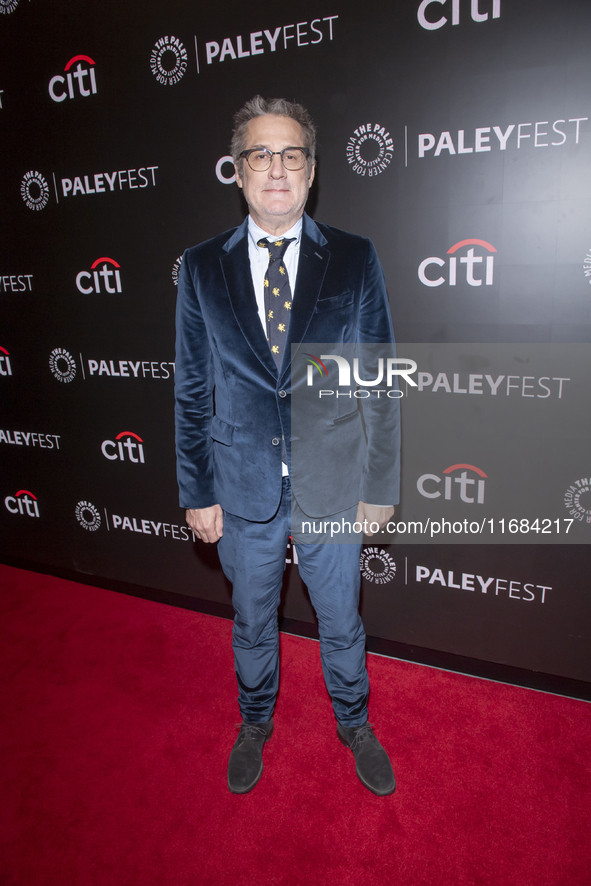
(232, 406)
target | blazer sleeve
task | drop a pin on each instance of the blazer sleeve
(380, 481)
(194, 383)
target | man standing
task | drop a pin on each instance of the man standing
(244, 297)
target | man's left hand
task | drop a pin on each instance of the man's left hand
(373, 514)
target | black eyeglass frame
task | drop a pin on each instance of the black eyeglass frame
(271, 154)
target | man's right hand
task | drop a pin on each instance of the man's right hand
(206, 523)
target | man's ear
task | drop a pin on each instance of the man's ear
(238, 177)
(312, 174)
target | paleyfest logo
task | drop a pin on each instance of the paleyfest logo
(168, 61)
(538, 134)
(369, 149)
(8, 6)
(35, 191)
(88, 516)
(62, 365)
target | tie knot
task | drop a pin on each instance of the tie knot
(276, 247)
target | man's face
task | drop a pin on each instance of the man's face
(276, 197)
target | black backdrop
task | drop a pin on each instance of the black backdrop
(439, 123)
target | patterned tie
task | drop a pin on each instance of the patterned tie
(277, 297)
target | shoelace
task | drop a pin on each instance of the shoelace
(364, 733)
(249, 731)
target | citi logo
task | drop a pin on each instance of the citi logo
(5, 367)
(475, 13)
(124, 448)
(61, 88)
(484, 262)
(468, 486)
(219, 170)
(105, 268)
(24, 502)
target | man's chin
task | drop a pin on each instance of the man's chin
(278, 207)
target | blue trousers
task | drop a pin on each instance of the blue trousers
(253, 559)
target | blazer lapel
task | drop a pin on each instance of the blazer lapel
(312, 267)
(236, 270)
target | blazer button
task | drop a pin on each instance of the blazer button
(282, 394)
(275, 441)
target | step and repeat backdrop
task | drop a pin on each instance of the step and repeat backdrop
(454, 133)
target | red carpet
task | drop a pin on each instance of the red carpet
(118, 716)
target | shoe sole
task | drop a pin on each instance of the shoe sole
(360, 777)
(253, 784)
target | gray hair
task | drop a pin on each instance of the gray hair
(258, 107)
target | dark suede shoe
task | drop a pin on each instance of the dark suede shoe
(373, 766)
(245, 765)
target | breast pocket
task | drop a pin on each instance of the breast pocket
(344, 300)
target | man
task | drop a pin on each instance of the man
(244, 297)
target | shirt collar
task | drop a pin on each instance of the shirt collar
(255, 233)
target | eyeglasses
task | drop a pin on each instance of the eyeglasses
(260, 159)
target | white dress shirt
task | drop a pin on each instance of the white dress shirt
(259, 260)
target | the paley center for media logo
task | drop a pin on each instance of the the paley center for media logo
(577, 500)
(370, 149)
(62, 365)
(377, 565)
(8, 6)
(88, 516)
(35, 190)
(587, 266)
(168, 60)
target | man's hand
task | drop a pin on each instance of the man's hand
(206, 523)
(372, 514)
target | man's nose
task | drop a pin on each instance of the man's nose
(276, 169)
